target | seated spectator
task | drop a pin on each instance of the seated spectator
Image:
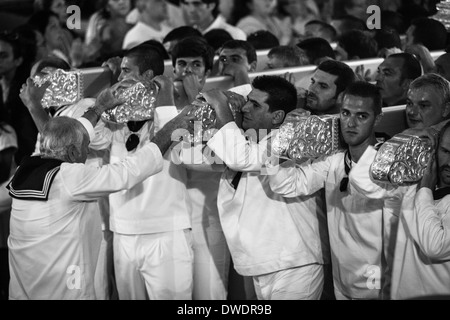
(56, 40)
(204, 15)
(394, 76)
(394, 20)
(423, 55)
(285, 57)
(427, 32)
(216, 38)
(152, 24)
(107, 28)
(348, 23)
(354, 8)
(298, 13)
(320, 29)
(388, 41)
(428, 101)
(263, 40)
(317, 50)
(13, 73)
(255, 15)
(355, 45)
(236, 59)
(177, 34)
(442, 65)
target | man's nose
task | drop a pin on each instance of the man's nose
(412, 109)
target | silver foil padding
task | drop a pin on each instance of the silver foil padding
(402, 160)
(308, 137)
(66, 87)
(140, 102)
(206, 115)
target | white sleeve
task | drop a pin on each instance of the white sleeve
(239, 154)
(163, 115)
(361, 180)
(85, 182)
(427, 225)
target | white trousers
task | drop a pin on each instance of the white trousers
(211, 265)
(154, 266)
(301, 283)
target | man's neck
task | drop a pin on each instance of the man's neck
(333, 110)
(357, 151)
(7, 78)
(395, 101)
(205, 23)
(155, 24)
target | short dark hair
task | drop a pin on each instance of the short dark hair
(217, 37)
(53, 62)
(263, 39)
(345, 74)
(358, 44)
(326, 27)
(180, 33)
(387, 38)
(411, 67)
(40, 20)
(292, 56)
(430, 33)
(242, 44)
(194, 47)
(215, 12)
(316, 48)
(366, 90)
(158, 46)
(282, 93)
(350, 23)
(147, 58)
(12, 38)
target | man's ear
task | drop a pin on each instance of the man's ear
(278, 117)
(446, 111)
(18, 62)
(212, 6)
(148, 74)
(72, 153)
(405, 84)
(253, 66)
(378, 119)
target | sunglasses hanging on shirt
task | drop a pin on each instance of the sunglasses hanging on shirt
(133, 139)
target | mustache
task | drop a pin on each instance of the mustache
(311, 95)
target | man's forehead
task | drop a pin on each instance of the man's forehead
(258, 95)
(424, 93)
(192, 2)
(323, 76)
(190, 59)
(392, 63)
(233, 52)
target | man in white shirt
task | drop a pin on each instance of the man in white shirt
(354, 222)
(152, 23)
(153, 256)
(55, 222)
(281, 243)
(421, 266)
(204, 15)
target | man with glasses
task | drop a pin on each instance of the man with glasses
(204, 15)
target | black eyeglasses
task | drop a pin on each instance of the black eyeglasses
(133, 139)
